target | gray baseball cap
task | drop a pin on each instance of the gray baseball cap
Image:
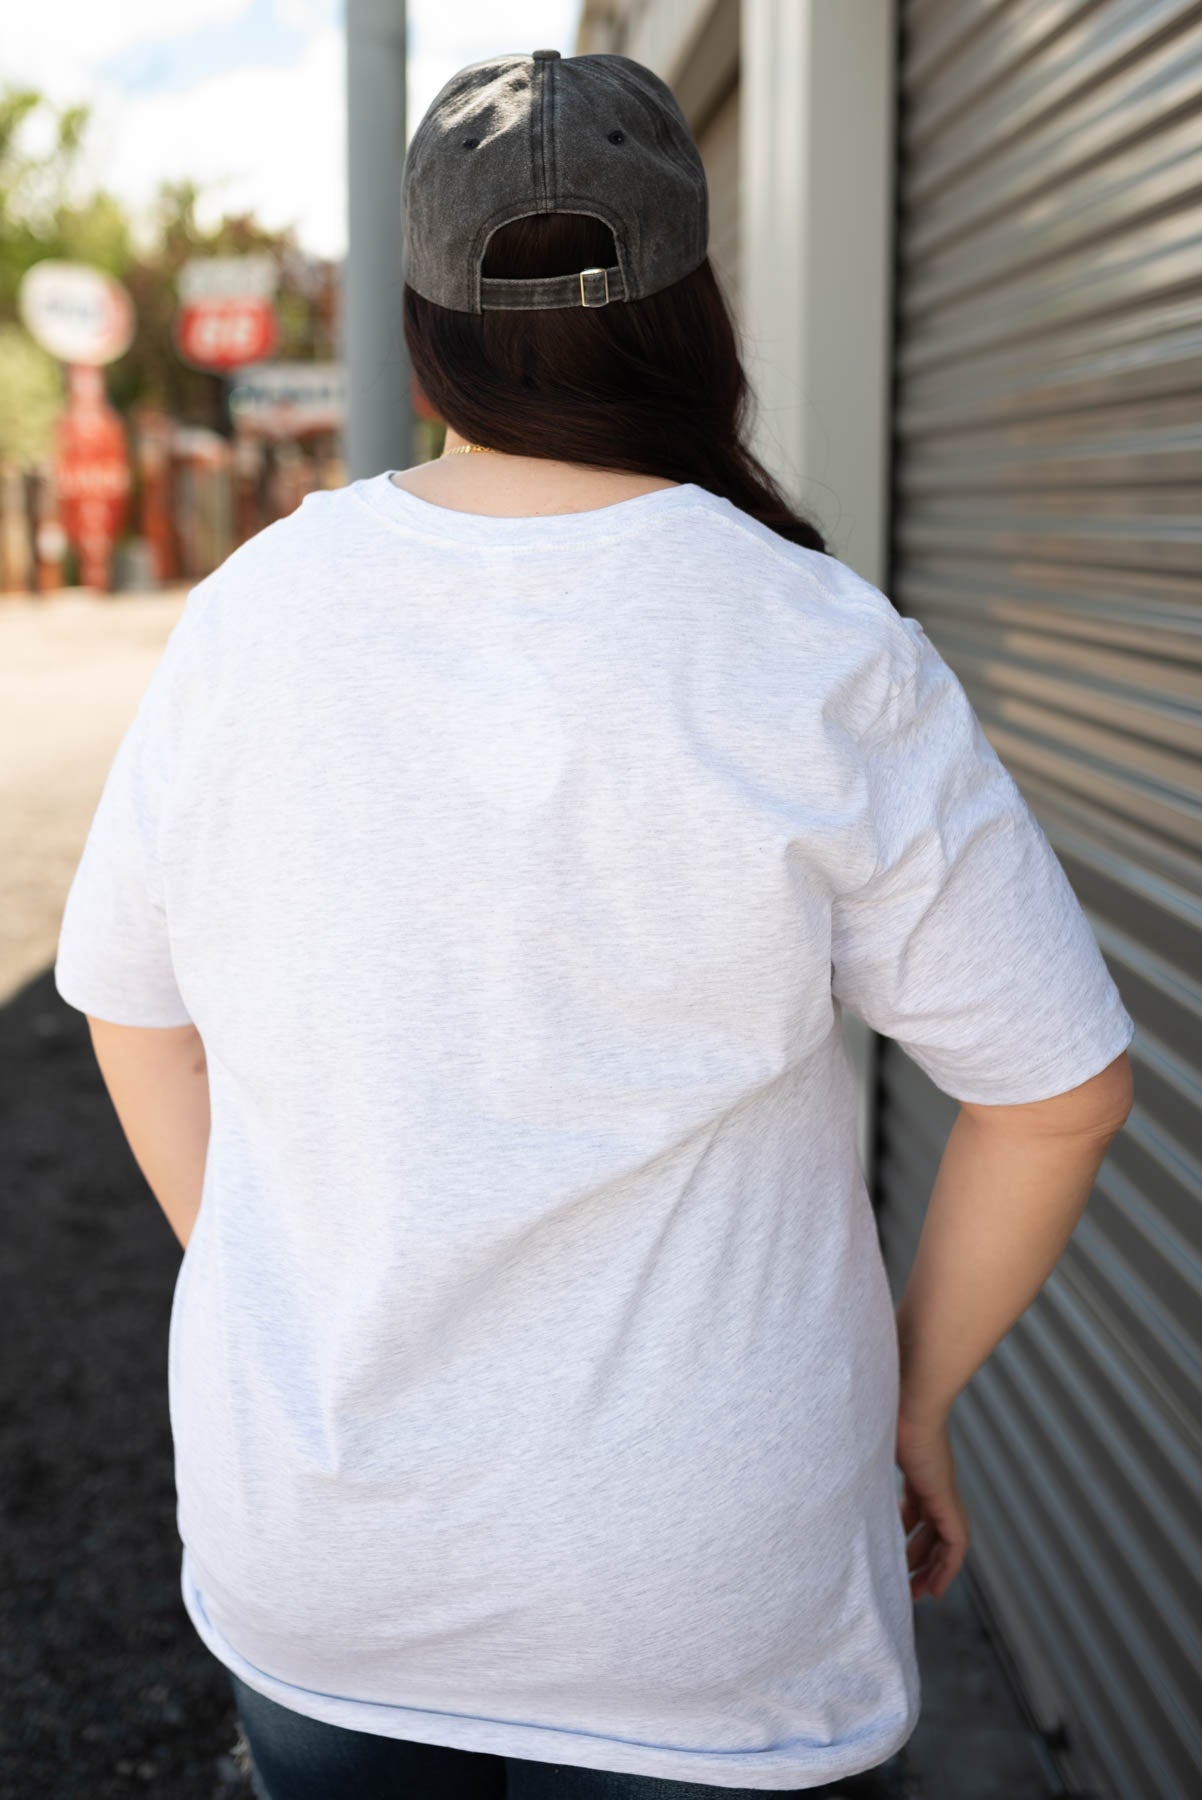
(545, 133)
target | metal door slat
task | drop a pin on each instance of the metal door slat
(1047, 532)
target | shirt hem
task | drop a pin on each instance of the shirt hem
(1087, 1055)
(771, 1771)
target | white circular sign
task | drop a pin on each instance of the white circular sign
(79, 314)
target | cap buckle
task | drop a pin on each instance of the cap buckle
(602, 272)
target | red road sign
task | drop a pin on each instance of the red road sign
(224, 333)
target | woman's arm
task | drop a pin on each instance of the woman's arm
(1012, 1183)
(158, 1081)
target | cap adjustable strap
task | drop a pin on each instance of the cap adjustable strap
(591, 287)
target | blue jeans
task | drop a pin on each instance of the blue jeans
(298, 1758)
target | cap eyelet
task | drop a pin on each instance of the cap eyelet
(470, 143)
(617, 137)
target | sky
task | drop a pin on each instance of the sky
(244, 96)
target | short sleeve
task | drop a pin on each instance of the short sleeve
(114, 951)
(967, 945)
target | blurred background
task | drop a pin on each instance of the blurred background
(963, 243)
(174, 200)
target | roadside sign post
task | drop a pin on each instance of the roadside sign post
(378, 432)
(86, 319)
(92, 468)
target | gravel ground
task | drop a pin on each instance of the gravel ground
(106, 1690)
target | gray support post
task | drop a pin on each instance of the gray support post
(378, 433)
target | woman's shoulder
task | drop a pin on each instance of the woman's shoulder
(832, 599)
(276, 555)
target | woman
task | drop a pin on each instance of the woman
(465, 928)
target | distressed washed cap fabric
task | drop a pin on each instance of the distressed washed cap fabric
(543, 133)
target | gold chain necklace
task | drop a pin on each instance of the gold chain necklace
(461, 449)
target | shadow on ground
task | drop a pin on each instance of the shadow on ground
(106, 1689)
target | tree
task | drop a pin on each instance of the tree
(42, 212)
(47, 210)
(31, 396)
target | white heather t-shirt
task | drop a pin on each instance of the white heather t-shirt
(532, 1362)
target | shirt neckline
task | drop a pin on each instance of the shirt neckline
(428, 520)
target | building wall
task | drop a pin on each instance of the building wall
(719, 143)
(1046, 532)
(818, 153)
(661, 33)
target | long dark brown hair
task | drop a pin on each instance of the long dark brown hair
(654, 386)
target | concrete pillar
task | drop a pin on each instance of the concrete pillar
(817, 156)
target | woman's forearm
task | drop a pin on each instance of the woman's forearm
(158, 1082)
(1006, 1199)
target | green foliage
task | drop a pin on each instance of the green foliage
(31, 392)
(42, 210)
(47, 209)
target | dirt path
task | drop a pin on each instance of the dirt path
(71, 673)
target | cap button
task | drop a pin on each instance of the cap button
(544, 55)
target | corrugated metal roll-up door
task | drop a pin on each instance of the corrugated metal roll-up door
(1048, 449)
(718, 142)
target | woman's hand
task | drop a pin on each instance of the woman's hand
(931, 1506)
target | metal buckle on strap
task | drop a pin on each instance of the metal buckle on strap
(586, 302)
